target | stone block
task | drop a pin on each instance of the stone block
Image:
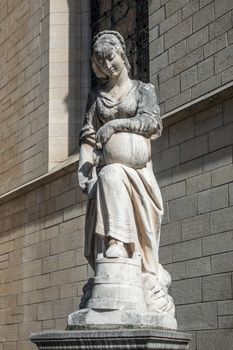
(214, 46)
(222, 262)
(213, 199)
(225, 322)
(186, 291)
(176, 270)
(171, 233)
(222, 175)
(167, 158)
(65, 200)
(178, 100)
(221, 137)
(206, 86)
(221, 220)
(206, 69)
(217, 159)
(179, 32)
(194, 148)
(59, 277)
(225, 307)
(187, 250)
(45, 311)
(50, 263)
(51, 293)
(198, 267)
(29, 253)
(170, 22)
(227, 111)
(215, 340)
(222, 7)
(174, 5)
(177, 51)
(165, 255)
(208, 119)
(189, 78)
(69, 290)
(77, 274)
(181, 131)
(182, 208)
(217, 287)
(59, 244)
(62, 308)
(203, 17)
(189, 9)
(79, 257)
(218, 243)
(169, 88)
(186, 170)
(197, 316)
(156, 48)
(156, 17)
(195, 227)
(164, 178)
(197, 39)
(173, 191)
(198, 183)
(66, 260)
(220, 26)
(223, 59)
(159, 63)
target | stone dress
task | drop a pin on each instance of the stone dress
(128, 204)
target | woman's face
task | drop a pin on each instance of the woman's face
(110, 63)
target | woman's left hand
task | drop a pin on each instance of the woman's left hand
(104, 133)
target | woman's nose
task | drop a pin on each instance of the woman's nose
(108, 64)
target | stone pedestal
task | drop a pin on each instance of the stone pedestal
(111, 339)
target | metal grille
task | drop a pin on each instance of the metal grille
(130, 19)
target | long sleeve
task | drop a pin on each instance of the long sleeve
(88, 131)
(147, 120)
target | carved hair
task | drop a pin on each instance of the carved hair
(113, 39)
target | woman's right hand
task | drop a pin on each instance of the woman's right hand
(83, 181)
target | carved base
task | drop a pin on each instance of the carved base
(115, 319)
(111, 339)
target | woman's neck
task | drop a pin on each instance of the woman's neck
(120, 85)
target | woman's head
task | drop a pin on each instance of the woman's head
(106, 46)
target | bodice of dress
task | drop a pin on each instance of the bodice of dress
(139, 103)
(109, 107)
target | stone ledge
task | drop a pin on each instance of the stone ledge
(111, 339)
(206, 101)
(63, 168)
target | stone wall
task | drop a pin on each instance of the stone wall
(23, 91)
(42, 267)
(191, 48)
(193, 162)
(44, 47)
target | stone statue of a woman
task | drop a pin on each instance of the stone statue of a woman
(125, 205)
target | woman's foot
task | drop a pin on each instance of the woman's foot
(116, 249)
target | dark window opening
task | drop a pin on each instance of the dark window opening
(130, 19)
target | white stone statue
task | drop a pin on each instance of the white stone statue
(125, 207)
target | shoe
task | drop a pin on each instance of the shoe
(116, 250)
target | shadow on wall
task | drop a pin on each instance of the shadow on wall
(79, 69)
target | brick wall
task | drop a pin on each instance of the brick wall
(42, 267)
(193, 162)
(23, 91)
(191, 48)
